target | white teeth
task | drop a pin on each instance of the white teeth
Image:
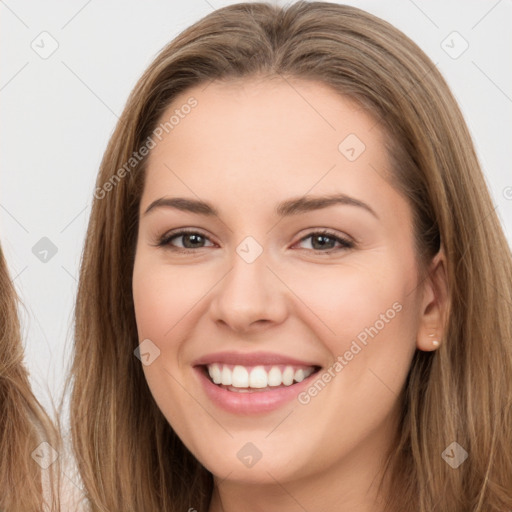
(299, 375)
(275, 376)
(215, 373)
(226, 376)
(240, 377)
(288, 376)
(256, 377)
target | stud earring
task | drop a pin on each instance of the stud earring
(434, 342)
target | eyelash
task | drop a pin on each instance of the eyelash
(166, 239)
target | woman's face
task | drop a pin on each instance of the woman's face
(257, 297)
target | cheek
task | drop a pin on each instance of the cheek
(368, 315)
(351, 297)
(163, 296)
(163, 299)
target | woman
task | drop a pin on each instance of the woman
(220, 364)
(28, 441)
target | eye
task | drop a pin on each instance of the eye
(321, 241)
(190, 240)
(324, 241)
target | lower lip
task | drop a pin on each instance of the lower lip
(251, 402)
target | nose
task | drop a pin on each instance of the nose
(250, 297)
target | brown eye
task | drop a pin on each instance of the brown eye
(325, 241)
(190, 240)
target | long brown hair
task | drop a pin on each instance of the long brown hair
(128, 455)
(25, 484)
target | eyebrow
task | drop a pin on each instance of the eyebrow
(286, 208)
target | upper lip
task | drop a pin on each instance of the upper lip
(250, 359)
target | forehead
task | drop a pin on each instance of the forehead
(271, 115)
(267, 138)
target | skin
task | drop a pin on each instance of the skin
(247, 146)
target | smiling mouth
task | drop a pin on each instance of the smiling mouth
(256, 379)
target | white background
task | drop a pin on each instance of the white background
(58, 114)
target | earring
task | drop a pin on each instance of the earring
(434, 342)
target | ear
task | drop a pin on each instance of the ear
(435, 305)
